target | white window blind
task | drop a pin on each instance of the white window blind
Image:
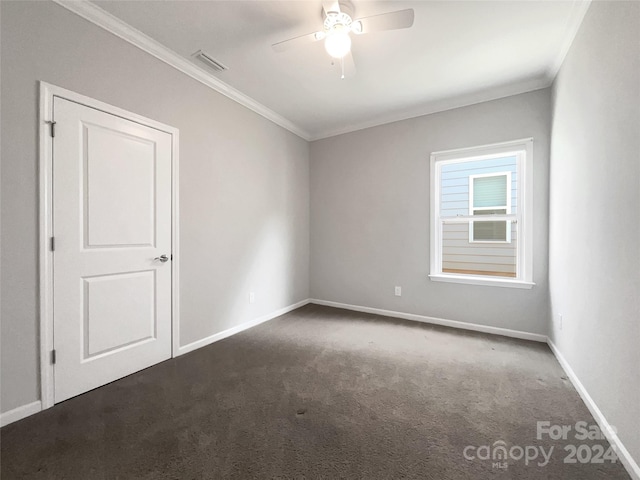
(490, 191)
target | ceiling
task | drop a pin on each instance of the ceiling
(457, 53)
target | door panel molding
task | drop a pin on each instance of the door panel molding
(47, 94)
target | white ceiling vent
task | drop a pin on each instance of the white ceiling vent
(209, 61)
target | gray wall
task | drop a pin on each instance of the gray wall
(244, 206)
(370, 214)
(245, 200)
(595, 197)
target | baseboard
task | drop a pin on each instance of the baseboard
(623, 454)
(239, 328)
(29, 409)
(19, 413)
(505, 332)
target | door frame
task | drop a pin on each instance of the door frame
(45, 160)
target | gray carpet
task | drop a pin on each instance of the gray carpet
(319, 393)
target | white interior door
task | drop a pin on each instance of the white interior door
(111, 225)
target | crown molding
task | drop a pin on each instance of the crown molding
(112, 24)
(446, 104)
(123, 30)
(576, 16)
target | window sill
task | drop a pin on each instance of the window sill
(478, 280)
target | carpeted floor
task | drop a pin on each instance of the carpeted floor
(319, 393)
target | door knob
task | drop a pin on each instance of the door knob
(162, 258)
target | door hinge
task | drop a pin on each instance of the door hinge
(52, 125)
(53, 244)
(53, 357)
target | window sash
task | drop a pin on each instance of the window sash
(511, 219)
(502, 206)
(480, 218)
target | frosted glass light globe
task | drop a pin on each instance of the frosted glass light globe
(338, 43)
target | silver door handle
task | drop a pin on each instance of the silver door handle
(162, 258)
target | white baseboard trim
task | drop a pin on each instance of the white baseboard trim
(237, 329)
(505, 332)
(29, 409)
(20, 412)
(623, 454)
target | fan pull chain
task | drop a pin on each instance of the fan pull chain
(342, 65)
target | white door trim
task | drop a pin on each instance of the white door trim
(47, 94)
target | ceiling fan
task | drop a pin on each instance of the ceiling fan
(339, 23)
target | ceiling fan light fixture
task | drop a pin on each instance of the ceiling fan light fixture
(338, 43)
(338, 24)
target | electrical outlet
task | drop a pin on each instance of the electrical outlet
(252, 297)
(398, 291)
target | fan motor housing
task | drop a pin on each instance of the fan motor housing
(345, 7)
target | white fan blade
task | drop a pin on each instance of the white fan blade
(330, 6)
(349, 66)
(349, 69)
(385, 21)
(298, 41)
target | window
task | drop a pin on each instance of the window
(480, 215)
(490, 194)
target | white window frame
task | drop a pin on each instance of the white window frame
(506, 207)
(523, 150)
